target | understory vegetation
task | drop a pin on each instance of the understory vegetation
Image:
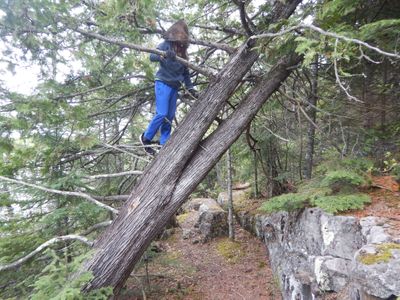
(337, 187)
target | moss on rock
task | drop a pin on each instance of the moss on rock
(383, 254)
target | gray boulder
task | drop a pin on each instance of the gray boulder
(377, 269)
(205, 219)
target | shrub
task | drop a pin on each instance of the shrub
(285, 202)
(339, 203)
(342, 178)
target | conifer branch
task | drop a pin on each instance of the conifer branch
(110, 40)
(97, 226)
(43, 246)
(98, 176)
(327, 33)
(59, 192)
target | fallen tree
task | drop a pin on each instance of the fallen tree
(183, 162)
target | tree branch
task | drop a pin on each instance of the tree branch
(64, 193)
(97, 226)
(243, 16)
(223, 29)
(98, 176)
(221, 46)
(43, 246)
(111, 198)
(327, 33)
(98, 87)
(97, 36)
(339, 82)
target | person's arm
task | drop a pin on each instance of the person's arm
(187, 80)
(156, 57)
(189, 84)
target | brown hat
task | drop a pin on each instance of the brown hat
(178, 32)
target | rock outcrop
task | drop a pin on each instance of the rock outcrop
(206, 220)
(314, 253)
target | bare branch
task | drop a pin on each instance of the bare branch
(126, 152)
(223, 29)
(97, 36)
(339, 82)
(111, 198)
(97, 226)
(43, 246)
(327, 33)
(65, 193)
(221, 46)
(98, 176)
(243, 16)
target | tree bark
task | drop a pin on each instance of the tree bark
(181, 165)
(312, 115)
(230, 196)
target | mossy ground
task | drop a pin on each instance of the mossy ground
(384, 254)
(232, 251)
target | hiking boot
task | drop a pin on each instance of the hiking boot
(145, 142)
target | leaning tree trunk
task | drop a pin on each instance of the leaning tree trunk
(180, 166)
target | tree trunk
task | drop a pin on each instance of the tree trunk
(255, 173)
(230, 196)
(181, 165)
(312, 115)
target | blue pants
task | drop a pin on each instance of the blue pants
(166, 97)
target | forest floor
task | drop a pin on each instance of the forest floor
(385, 203)
(186, 269)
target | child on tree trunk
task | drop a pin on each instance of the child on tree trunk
(169, 78)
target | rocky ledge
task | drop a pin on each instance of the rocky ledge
(315, 254)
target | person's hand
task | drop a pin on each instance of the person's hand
(194, 93)
(170, 54)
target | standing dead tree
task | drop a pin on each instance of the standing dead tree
(183, 162)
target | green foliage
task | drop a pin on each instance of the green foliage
(332, 190)
(342, 178)
(55, 281)
(340, 203)
(285, 202)
(396, 172)
(385, 28)
(319, 198)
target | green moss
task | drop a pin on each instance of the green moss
(182, 217)
(232, 251)
(384, 254)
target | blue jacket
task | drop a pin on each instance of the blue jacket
(171, 71)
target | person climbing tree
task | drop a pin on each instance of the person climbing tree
(168, 80)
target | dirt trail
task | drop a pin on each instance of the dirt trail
(184, 270)
(187, 270)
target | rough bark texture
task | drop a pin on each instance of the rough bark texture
(312, 114)
(180, 166)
